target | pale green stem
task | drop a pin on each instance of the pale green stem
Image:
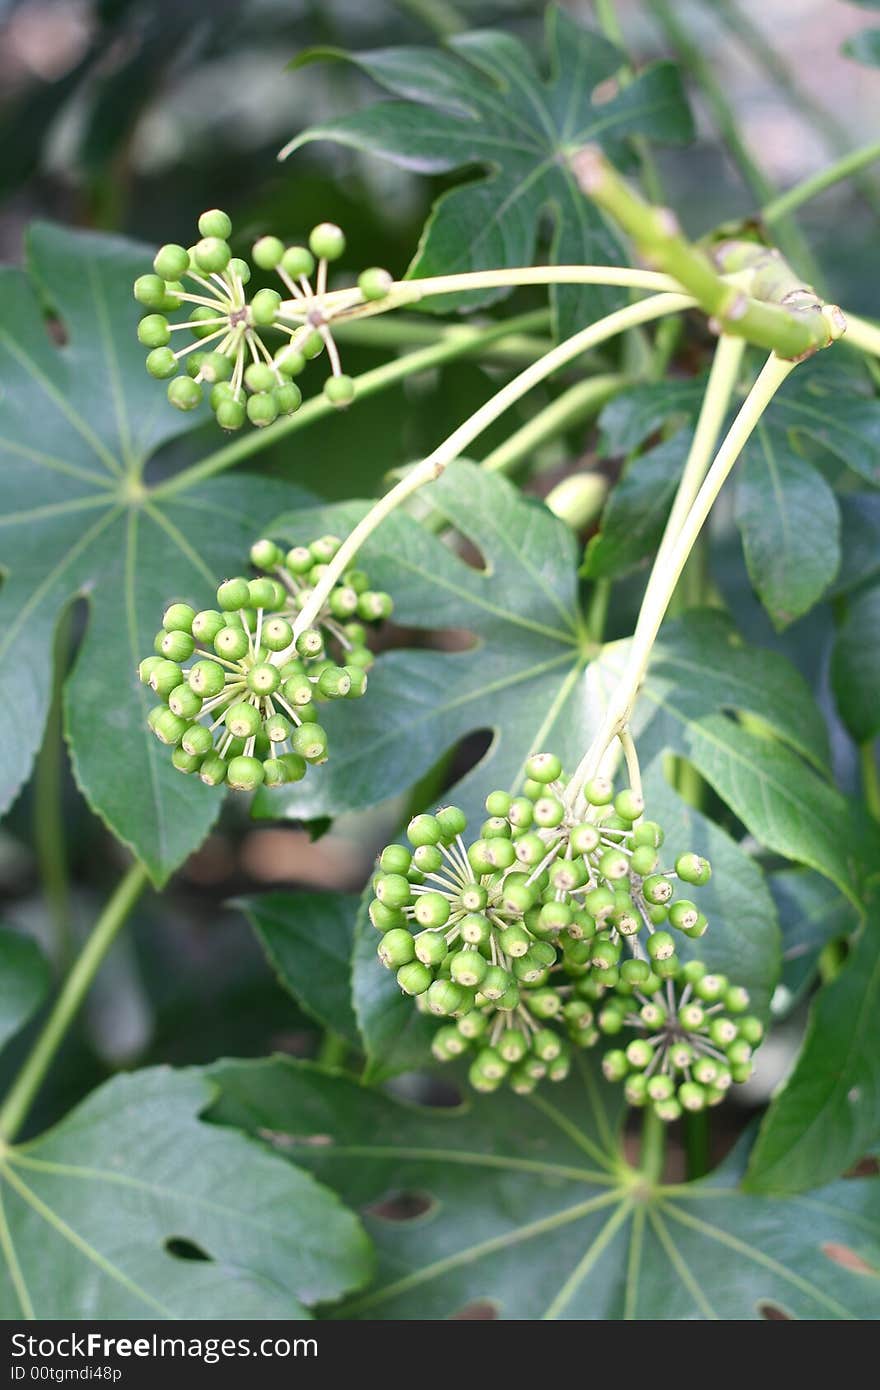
(716, 403)
(48, 814)
(460, 342)
(461, 438)
(581, 401)
(653, 1150)
(665, 575)
(863, 335)
(809, 188)
(74, 990)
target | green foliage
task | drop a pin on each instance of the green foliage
(133, 1205)
(504, 1182)
(483, 102)
(24, 981)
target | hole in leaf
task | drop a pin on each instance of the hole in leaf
(183, 1249)
(401, 1206)
(846, 1258)
(772, 1312)
(478, 1310)
(605, 91)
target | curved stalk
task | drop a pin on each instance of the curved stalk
(461, 438)
(20, 1098)
(664, 577)
(802, 192)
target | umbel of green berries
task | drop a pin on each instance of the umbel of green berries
(239, 697)
(523, 938)
(690, 1038)
(245, 353)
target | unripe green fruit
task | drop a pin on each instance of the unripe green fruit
(326, 241)
(640, 1053)
(661, 946)
(184, 702)
(230, 414)
(739, 1052)
(428, 859)
(299, 559)
(393, 890)
(149, 290)
(312, 347)
(212, 254)
(175, 646)
(384, 918)
(432, 910)
(468, 968)
(297, 261)
(635, 972)
(472, 1025)
(545, 1003)
(374, 283)
(167, 726)
(233, 594)
(615, 1065)
(692, 971)
(267, 252)
(171, 261)
(629, 805)
(610, 1019)
(396, 948)
(259, 377)
(636, 1090)
(153, 331)
(178, 617)
(288, 398)
(710, 987)
(547, 1045)
(683, 914)
(161, 363)
(262, 409)
(277, 634)
(243, 720)
(584, 838)
(414, 978)
(691, 1017)
(600, 903)
(374, 606)
(216, 367)
(264, 307)
(657, 889)
(147, 667)
(736, 999)
(185, 762)
(599, 791)
(289, 362)
(213, 770)
(752, 1029)
(613, 865)
(661, 1088)
(692, 868)
(339, 390)
(164, 677)
(263, 679)
(667, 1110)
(231, 643)
(395, 859)
(495, 983)
(277, 728)
(334, 683)
(705, 1070)
(424, 830)
(215, 223)
(448, 1042)
(543, 767)
(184, 393)
(475, 929)
(197, 741)
(431, 948)
(310, 741)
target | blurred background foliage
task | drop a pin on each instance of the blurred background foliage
(132, 117)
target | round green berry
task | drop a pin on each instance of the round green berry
(375, 283)
(185, 762)
(149, 290)
(153, 331)
(326, 241)
(452, 821)
(267, 252)
(396, 948)
(543, 767)
(184, 393)
(288, 398)
(445, 997)
(215, 223)
(166, 725)
(339, 390)
(161, 363)
(424, 830)
(414, 978)
(297, 261)
(289, 361)
(692, 868)
(264, 307)
(184, 701)
(310, 741)
(171, 261)
(599, 791)
(243, 720)
(175, 646)
(197, 741)
(164, 677)
(213, 770)
(262, 409)
(629, 805)
(431, 948)
(233, 594)
(613, 865)
(212, 254)
(432, 911)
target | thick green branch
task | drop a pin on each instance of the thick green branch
(793, 325)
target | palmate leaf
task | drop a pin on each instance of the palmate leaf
(24, 981)
(484, 102)
(135, 1207)
(78, 425)
(794, 538)
(528, 1205)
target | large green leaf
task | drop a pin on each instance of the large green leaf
(855, 665)
(636, 511)
(24, 981)
(528, 1205)
(78, 425)
(812, 912)
(484, 103)
(134, 1207)
(827, 1115)
(790, 526)
(308, 940)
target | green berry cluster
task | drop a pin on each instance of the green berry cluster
(527, 938)
(246, 378)
(693, 1039)
(245, 711)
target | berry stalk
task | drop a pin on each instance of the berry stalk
(454, 445)
(19, 1099)
(665, 574)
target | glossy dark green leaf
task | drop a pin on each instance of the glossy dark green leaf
(483, 102)
(790, 526)
(826, 405)
(827, 1115)
(636, 512)
(859, 540)
(308, 939)
(528, 1205)
(634, 415)
(135, 1207)
(812, 912)
(396, 1037)
(78, 425)
(24, 981)
(855, 665)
